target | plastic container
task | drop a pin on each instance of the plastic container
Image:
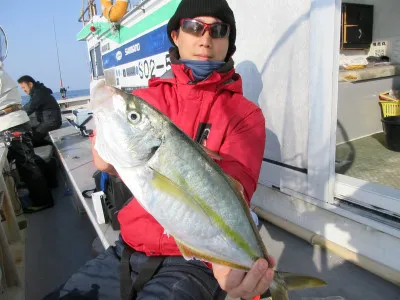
(393, 95)
(391, 126)
(390, 108)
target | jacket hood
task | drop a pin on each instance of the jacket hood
(38, 86)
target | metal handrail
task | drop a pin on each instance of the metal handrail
(3, 58)
(92, 11)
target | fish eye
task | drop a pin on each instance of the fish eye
(134, 116)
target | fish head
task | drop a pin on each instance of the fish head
(128, 130)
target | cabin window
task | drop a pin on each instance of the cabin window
(357, 26)
(96, 62)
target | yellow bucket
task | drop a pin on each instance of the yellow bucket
(390, 108)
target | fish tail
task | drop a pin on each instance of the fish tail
(284, 282)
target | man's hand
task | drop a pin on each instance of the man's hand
(239, 284)
(101, 164)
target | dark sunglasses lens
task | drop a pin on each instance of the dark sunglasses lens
(219, 30)
(193, 27)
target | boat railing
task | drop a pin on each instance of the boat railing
(68, 105)
(88, 12)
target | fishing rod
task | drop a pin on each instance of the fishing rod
(62, 89)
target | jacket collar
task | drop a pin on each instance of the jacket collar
(223, 78)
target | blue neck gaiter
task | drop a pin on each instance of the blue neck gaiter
(201, 69)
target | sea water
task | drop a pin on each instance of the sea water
(57, 95)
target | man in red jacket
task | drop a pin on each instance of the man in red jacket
(202, 95)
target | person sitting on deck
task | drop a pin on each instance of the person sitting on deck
(15, 120)
(42, 108)
(202, 88)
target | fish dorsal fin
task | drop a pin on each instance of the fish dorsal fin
(190, 253)
(240, 191)
(211, 153)
(238, 187)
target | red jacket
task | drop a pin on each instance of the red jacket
(236, 133)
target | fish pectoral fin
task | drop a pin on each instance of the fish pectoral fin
(189, 253)
(163, 183)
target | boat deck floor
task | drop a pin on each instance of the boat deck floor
(369, 159)
(59, 242)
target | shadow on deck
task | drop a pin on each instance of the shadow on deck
(58, 243)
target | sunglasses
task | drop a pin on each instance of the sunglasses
(198, 28)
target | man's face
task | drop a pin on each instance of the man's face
(26, 87)
(201, 47)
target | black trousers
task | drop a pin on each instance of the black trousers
(28, 169)
(176, 279)
(40, 135)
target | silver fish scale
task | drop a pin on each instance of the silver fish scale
(183, 164)
(188, 224)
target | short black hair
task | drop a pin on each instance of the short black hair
(26, 79)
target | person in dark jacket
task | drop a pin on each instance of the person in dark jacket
(42, 109)
(14, 120)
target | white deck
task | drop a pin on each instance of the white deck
(75, 154)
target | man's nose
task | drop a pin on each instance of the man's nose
(206, 39)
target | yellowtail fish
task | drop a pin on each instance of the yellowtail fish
(181, 186)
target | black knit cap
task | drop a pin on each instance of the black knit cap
(205, 8)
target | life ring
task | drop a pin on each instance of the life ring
(114, 12)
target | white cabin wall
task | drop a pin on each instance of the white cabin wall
(273, 58)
